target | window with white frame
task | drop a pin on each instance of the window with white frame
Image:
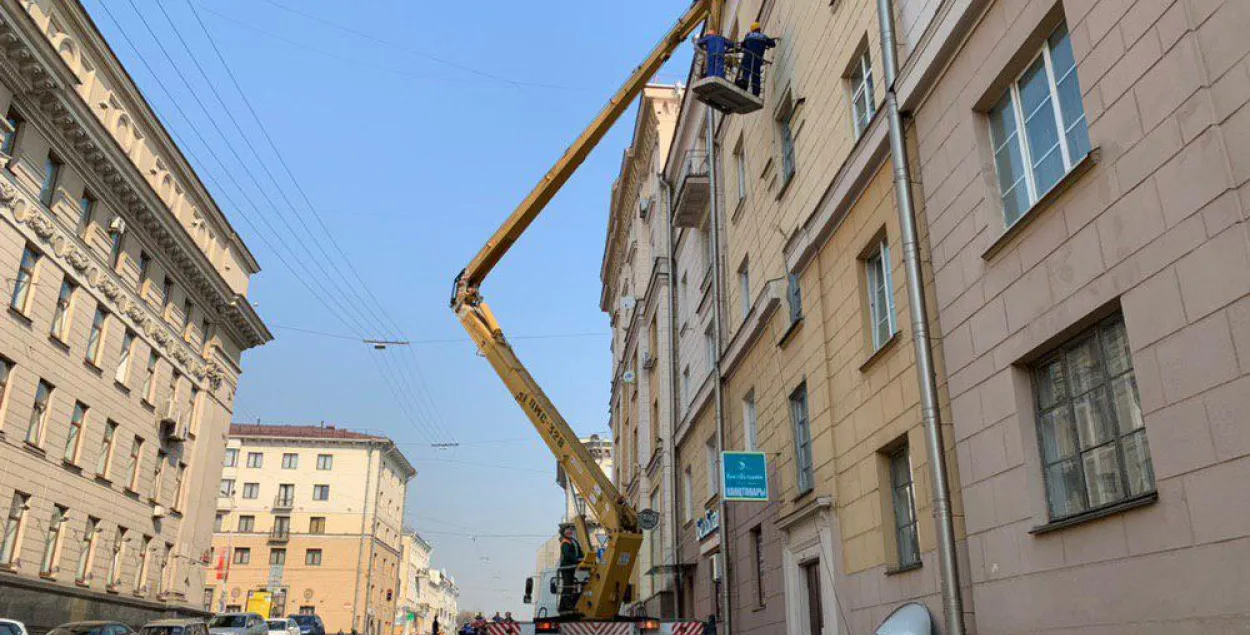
(13, 527)
(251, 491)
(1038, 127)
(880, 295)
(744, 286)
(740, 171)
(59, 327)
(750, 422)
(25, 279)
(290, 461)
(123, 361)
(802, 439)
(713, 467)
(863, 103)
(794, 297)
(709, 345)
(52, 541)
(785, 139)
(1090, 428)
(39, 413)
(232, 457)
(325, 461)
(96, 336)
(903, 501)
(73, 438)
(86, 550)
(104, 461)
(255, 459)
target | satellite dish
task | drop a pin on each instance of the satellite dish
(909, 619)
(628, 376)
(628, 302)
(648, 519)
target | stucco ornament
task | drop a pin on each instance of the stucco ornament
(8, 192)
(42, 227)
(78, 259)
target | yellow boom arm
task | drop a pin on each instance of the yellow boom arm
(602, 596)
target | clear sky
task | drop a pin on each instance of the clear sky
(413, 128)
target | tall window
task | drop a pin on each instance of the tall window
(785, 137)
(290, 461)
(52, 541)
(149, 376)
(251, 491)
(116, 243)
(158, 476)
(145, 266)
(312, 557)
(141, 572)
(794, 297)
(321, 492)
(13, 527)
(750, 423)
(255, 459)
(904, 504)
(713, 467)
(96, 336)
(1038, 127)
(242, 555)
(286, 494)
(232, 457)
(51, 174)
(247, 524)
(86, 550)
(6, 372)
(39, 413)
(86, 208)
(219, 522)
(317, 525)
(179, 476)
(25, 279)
(132, 466)
(225, 488)
(60, 316)
(687, 495)
(282, 526)
(709, 345)
(123, 361)
(863, 104)
(73, 438)
(740, 170)
(9, 144)
(325, 461)
(105, 460)
(167, 291)
(744, 286)
(815, 608)
(757, 550)
(188, 308)
(802, 439)
(277, 556)
(1090, 429)
(119, 556)
(880, 295)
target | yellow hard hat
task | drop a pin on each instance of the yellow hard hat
(755, 26)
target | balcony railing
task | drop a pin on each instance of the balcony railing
(279, 534)
(731, 82)
(284, 501)
(693, 189)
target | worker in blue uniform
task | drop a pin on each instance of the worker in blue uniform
(751, 71)
(714, 46)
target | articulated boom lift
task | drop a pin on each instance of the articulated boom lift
(604, 591)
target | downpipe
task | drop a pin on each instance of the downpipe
(725, 588)
(948, 567)
(670, 465)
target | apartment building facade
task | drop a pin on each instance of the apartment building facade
(635, 275)
(310, 520)
(548, 557)
(120, 349)
(425, 593)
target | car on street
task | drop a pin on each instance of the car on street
(192, 626)
(92, 628)
(283, 626)
(12, 627)
(309, 624)
(238, 624)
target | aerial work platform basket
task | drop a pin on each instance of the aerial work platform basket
(733, 83)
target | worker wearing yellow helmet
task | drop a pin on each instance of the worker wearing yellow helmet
(751, 70)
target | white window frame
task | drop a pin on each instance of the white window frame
(744, 285)
(862, 87)
(713, 467)
(750, 422)
(877, 275)
(740, 169)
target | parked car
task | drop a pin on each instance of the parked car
(283, 626)
(92, 628)
(192, 626)
(238, 624)
(309, 624)
(12, 627)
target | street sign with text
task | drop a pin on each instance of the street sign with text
(745, 476)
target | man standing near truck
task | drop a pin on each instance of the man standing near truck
(571, 555)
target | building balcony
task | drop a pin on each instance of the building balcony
(283, 502)
(693, 189)
(279, 534)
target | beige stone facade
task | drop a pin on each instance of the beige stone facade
(126, 321)
(425, 593)
(310, 520)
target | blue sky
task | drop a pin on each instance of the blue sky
(414, 129)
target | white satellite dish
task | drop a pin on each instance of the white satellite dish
(628, 376)
(909, 619)
(628, 302)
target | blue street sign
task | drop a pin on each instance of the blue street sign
(745, 476)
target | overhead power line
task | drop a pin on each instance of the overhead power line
(451, 340)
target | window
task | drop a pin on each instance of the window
(132, 467)
(119, 556)
(709, 345)
(242, 555)
(281, 526)
(179, 474)
(1030, 152)
(13, 527)
(149, 386)
(60, 316)
(188, 308)
(52, 542)
(105, 461)
(73, 438)
(321, 492)
(86, 206)
(158, 476)
(141, 574)
(51, 174)
(1093, 443)
(96, 336)
(290, 461)
(685, 385)
(863, 104)
(903, 498)
(687, 495)
(167, 290)
(123, 363)
(286, 495)
(255, 459)
(880, 295)
(10, 136)
(6, 371)
(815, 610)
(232, 457)
(740, 169)
(713, 467)
(193, 408)
(794, 297)
(39, 413)
(86, 550)
(174, 378)
(744, 287)
(247, 524)
(325, 461)
(219, 522)
(312, 557)
(226, 488)
(802, 439)
(757, 549)
(145, 266)
(785, 135)
(25, 279)
(116, 243)
(750, 423)
(251, 491)
(277, 556)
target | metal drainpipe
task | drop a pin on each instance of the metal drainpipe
(718, 393)
(360, 551)
(948, 567)
(670, 456)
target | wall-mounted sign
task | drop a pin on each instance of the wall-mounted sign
(744, 476)
(707, 525)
